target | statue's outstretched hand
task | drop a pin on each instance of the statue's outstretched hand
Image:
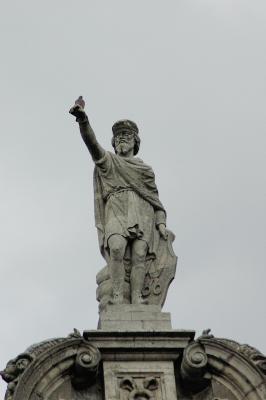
(78, 109)
(163, 232)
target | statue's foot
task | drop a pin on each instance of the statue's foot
(138, 299)
(117, 299)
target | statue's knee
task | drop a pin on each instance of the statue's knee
(139, 252)
(117, 249)
(116, 253)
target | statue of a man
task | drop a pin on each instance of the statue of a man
(128, 213)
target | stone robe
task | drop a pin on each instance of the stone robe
(126, 201)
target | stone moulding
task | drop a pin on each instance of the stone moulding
(238, 368)
(251, 353)
(51, 362)
(15, 368)
(207, 368)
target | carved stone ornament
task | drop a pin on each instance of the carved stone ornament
(34, 374)
(137, 391)
(86, 367)
(13, 370)
(254, 355)
(194, 367)
(234, 371)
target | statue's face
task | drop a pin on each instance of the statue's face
(22, 364)
(124, 142)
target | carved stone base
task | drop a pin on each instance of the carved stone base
(140, 365)
(137, 365)
(128, 317)
(136, 380)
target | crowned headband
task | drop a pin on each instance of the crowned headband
(124, 124)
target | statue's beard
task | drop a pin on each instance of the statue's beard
(123, 147)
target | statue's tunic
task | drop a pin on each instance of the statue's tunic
(126, 200)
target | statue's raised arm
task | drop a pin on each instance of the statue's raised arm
(87, 133)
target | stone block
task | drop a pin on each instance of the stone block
(150, 316)
(121, 325)
(116, 316)
(157, 325)
(138, 376)
(134, 317)
(133, 308)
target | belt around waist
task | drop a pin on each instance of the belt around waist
(118, 191)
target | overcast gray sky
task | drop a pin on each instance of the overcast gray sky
(191, 73)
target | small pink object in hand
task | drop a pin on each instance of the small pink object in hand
(80, 102)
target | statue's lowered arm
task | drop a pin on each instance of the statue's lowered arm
(86, 131)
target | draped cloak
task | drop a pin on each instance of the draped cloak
(115, 178)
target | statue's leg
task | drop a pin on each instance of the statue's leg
(117, 247)
(139, 251)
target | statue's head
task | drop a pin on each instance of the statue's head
(15, 367)
(125, 136)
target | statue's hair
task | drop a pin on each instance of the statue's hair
(136, 145)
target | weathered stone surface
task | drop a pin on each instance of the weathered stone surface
(134, 317)
(140, 344)
(129, 217)
(127, 380)
(15, 368)
(132, 308)
(135, 354)
(213, 368)
(137, 365)
(63, 368)
(254, 355)
(193, 369)
(158, 277)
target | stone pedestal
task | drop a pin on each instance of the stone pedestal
(128, 317)
(140, 364)
(127, 359)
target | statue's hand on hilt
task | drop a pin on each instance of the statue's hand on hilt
(78, 110)
(163, 231)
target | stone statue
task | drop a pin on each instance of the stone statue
(129, 216)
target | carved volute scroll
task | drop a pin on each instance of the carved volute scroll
(86, 366)
(194, 362)
(34, 375)
(224, 369)
(194, 367)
